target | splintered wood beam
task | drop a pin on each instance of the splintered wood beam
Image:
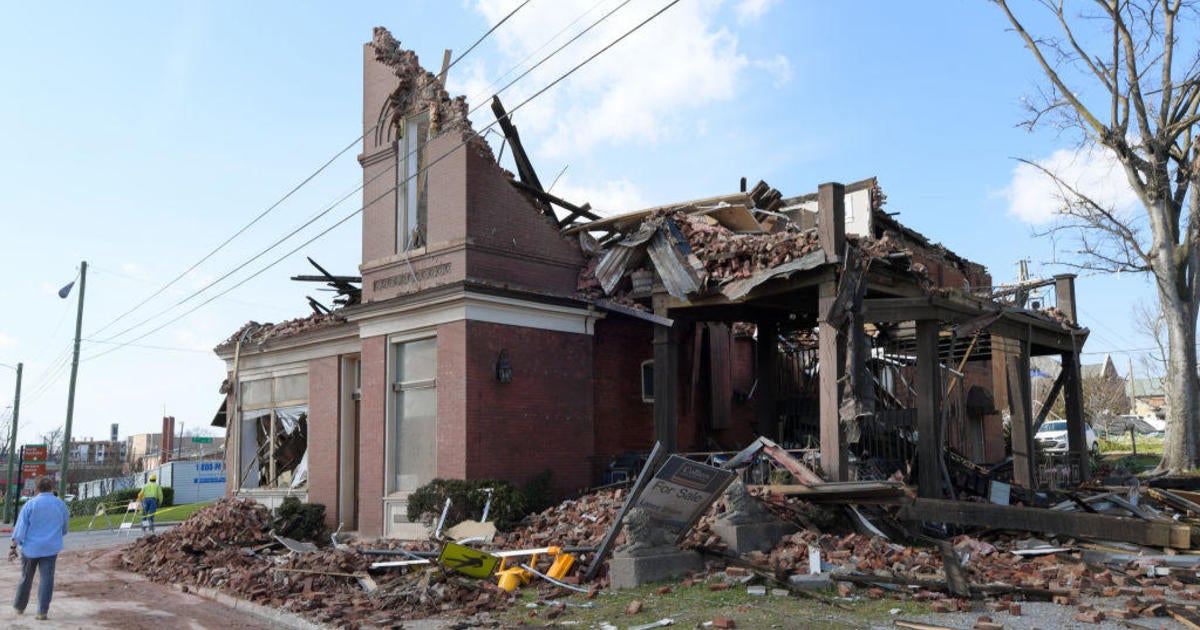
(1020, 424)
(1121, 528)
(574, 211)
(1049, 402)
(524, 166)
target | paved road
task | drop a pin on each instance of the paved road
(92, 590)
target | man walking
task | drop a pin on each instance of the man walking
(150, 496)
(40, 528)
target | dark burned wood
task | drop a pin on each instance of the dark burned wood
(317, 307)
(1049, 401)
(1042, 594)
(929, 394)
(524, 166)
(1021, 431)
(1076, 429)
(1120, 528)
(574, 211)
(956, 579)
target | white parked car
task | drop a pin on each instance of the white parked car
(1052, 437)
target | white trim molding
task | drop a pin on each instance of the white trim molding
(468, 305)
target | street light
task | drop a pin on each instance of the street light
(10, 502)
(66, 449)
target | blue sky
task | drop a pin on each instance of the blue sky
(140, 136)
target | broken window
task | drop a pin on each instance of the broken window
(273, 450)
(410, 183)
(413, 436)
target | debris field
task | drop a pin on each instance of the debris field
(229, 546)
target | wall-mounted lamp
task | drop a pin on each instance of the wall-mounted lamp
(503, 367)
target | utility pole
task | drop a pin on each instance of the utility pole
(10, 503)
(66, 451)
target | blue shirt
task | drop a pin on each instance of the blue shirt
(41, 526)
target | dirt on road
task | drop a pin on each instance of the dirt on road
(92, 591)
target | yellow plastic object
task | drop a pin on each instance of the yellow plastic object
(512, 579)
(562, 564)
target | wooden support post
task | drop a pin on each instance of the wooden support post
(1064, 291)
(831, 219)
(1122, 528)
(929, 397)
(666, 387)
(1077, 447)
(832, 357)
(766, 395)
(1020, 415)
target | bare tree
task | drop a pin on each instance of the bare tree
(1148, 320)
(1113, 76)
(53, 441)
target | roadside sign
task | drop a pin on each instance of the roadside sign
(201, 440)
(681, 491)
(35, 452)
(32, 469)
(470, 562)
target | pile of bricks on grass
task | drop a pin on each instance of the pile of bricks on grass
(228, 546)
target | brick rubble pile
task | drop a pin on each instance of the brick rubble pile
(228, 546)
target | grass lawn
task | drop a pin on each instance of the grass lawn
(167, 514)
(692, 606)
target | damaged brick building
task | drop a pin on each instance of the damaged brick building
(501, 331)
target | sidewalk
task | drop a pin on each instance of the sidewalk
(91, 591)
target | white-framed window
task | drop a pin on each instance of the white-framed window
(412, 448)
(273, 445)
(410, 183)
(648, 381)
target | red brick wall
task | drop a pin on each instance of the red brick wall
(543, 419)
(623, 421)
(372, 435)
(694, 428)
(452, 387)
(323, 442)
(510, 241)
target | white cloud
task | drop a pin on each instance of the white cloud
(644, 89)
(612, 197)
(752, 10)
(135, 271)
(1033, 197)
(7, 341)
(779, 68)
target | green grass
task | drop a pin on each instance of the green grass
(167, 514)
(692, 606)
(1123, 444)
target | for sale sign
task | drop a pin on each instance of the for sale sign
(681, 491)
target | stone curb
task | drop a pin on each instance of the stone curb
(273, 616)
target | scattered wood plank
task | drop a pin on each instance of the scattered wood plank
(1151, 533)
(955, 578)
(913, 625)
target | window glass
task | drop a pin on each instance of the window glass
(256, 394)
(416, 361)
(294, 387)
(413, 434)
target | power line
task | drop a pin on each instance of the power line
(485, 35)
(479, 97)
(245, 263)
(418, 173)
(278, 242)
(218, 248)
(268, 211)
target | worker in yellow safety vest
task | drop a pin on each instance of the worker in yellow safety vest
(150, 497)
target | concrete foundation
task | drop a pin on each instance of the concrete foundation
(630, 571)
(746, 537)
